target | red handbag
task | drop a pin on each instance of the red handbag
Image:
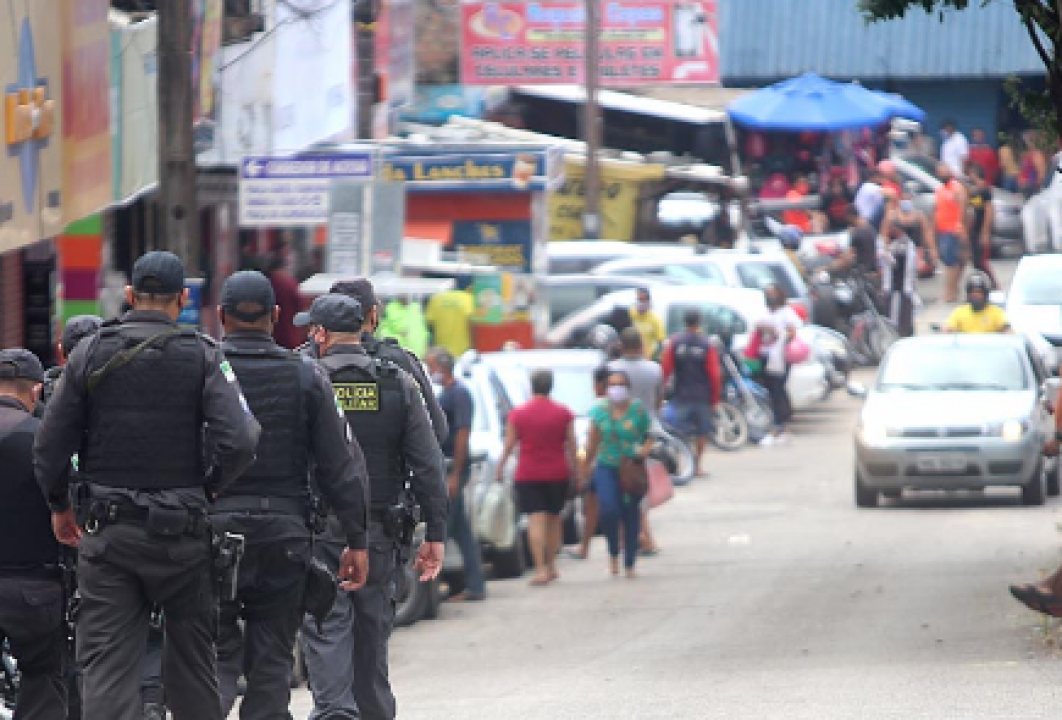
(926, 267)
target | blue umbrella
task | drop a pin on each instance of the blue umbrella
(901, 107)
(809, 102)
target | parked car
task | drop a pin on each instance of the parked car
(725, 268)
(1034, 300)
(565, 294)
(491, 407)
(952, 412)
(726, 311)
(567, 257)
(919, 178)
(1042, 215)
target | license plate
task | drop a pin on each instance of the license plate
(949, 463)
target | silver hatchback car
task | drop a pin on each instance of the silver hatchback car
(956, 412)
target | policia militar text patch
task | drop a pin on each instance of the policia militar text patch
(358, 397)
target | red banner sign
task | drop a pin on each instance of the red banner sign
(651, 42)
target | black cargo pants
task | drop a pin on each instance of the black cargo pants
(347, 662)
(122, 572)
(269, 593)
(31, 618)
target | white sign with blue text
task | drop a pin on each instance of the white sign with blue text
(294, 191)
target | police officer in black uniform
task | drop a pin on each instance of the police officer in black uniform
(302, 431)
(362, 290)
(76, 329)
(347, 662)
(133, 403)
(31, 592)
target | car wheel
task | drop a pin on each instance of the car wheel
(1034, 492)
(865, 497)
(510, 563)
(1054, 486)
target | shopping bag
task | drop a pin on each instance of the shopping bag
(661, 489)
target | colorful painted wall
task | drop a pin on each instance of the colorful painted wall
(80, 251)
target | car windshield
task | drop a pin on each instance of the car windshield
(573, 386)
(715, 319)
(916, 368)
(1039, 288)
(759, 275)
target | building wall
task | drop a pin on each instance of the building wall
(11, 313)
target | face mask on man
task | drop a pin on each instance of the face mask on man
(438, 378)
(906, 206)
(618, 394)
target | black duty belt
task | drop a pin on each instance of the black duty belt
(103, 513)
(259, 505)
(43, 572)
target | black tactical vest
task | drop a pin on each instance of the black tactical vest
(276, 383)
(145, 418)
(371, 394)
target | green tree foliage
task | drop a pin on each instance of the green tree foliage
(1043, 21)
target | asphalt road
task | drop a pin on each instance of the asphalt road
(773, 597)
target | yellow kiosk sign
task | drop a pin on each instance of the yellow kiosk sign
(621, 184)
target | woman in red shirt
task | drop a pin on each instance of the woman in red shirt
(545, 432)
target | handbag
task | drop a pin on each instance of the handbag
(495, 514)
(633, 475)
(661, 489)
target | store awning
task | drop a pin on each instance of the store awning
(437, 230)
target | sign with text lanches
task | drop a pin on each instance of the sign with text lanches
(541, 43)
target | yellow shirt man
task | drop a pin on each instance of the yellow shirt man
(449, 314)
(990, 319)
(650, 327)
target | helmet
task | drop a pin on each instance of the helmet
(603, 337)
(790, 237)
(978, 281)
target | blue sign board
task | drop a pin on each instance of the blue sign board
(505, 243)
(191, 313)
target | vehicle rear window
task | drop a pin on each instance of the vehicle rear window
(567, 299)
(715, 319)
(759, 275)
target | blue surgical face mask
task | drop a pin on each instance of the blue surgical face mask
(906, 206)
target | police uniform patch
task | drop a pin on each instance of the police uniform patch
(358, 397)
(226, 370)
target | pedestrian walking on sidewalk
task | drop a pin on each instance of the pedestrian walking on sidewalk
(618, 430)
(544, 431)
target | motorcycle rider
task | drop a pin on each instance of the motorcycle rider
(977, 315)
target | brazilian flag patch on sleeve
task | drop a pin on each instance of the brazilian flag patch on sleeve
(358, 397)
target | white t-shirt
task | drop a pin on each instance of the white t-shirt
(954, 151)
(869, 200)
(776, 323)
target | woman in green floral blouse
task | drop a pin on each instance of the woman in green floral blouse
(619, 428)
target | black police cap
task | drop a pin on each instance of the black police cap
(20, 364)
(159, 273)
(334, 312)
(77, 329)
(360, 289)
(248, 295)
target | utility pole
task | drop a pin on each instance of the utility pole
(177, 200)
(592, 124)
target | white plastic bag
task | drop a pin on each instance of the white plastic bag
(495, 520)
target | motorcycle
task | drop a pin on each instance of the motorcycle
(675, 454)
(855, 314)
(744, 394)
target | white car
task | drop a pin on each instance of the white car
(565, 257)
(725, 310)
(1034, 302)
(1042, 215)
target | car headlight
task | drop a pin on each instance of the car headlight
(1012, 430)
(873, 433)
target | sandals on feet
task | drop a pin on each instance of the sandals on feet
(1037, 600)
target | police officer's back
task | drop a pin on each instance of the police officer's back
(348, 660)
(269, 505)
(31, 598)
(363, 291)
(133, 403)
